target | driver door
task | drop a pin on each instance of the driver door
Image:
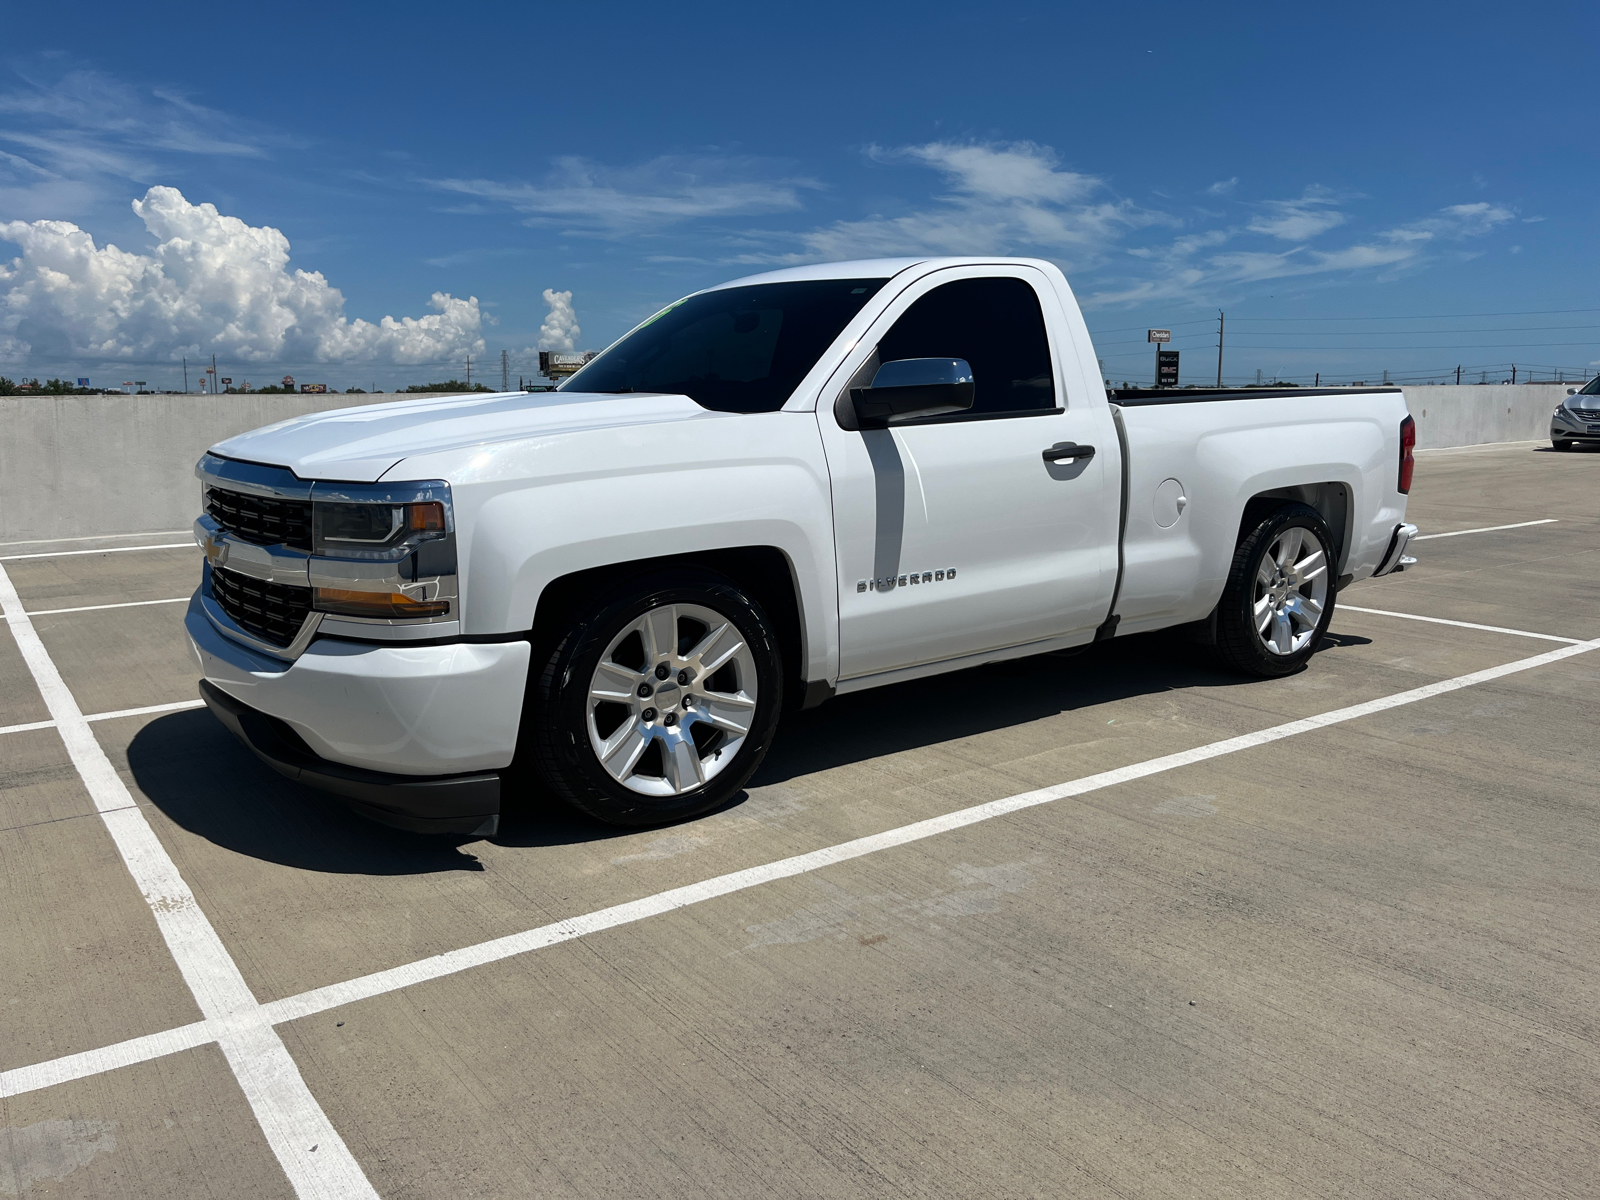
(954, 537)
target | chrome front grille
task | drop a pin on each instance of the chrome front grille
(273, 612)
(264, 520)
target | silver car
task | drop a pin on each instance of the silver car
(1578, 418)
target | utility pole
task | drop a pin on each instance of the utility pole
(1221, 325)
(505, 372)
(469, 372)
(1458, 374)
(1318, 383)
(185, 374)
(1513, 372)
(213, 373)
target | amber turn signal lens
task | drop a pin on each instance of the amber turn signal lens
(425, 518)
(389, 605)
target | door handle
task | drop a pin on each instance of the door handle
(1068, 450)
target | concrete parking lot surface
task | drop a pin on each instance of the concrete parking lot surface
(1357, 957)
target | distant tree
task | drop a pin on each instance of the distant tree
(355, 391)
(449, 385)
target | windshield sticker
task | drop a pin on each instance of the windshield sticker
(663, 312)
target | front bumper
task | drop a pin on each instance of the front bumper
(468, 804)
(1568, 426)
(400, 716)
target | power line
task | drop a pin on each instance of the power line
(1534, 312)
(1369, 349)
(1400, 332)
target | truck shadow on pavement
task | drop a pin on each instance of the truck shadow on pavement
(204, 780)
(197, 773)
(944, 708)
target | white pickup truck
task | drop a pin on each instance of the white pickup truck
(798, 484)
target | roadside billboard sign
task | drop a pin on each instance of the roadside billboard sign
(1158, 335)
(1166, 368)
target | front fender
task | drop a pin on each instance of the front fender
(533, 511)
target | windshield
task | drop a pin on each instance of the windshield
(734, 350)
(1592, 388)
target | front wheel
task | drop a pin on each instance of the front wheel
(1561, 443)
(662, 703)
(1279, 598)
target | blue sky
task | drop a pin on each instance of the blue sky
(1363, 188)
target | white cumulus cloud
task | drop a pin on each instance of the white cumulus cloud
(560, 329)
(211, 285)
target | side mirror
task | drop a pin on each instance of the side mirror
(1572, 391)
(914, 387)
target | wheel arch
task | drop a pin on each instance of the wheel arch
(766, 573)
(1331, 498)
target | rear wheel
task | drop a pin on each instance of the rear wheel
(1279, 598)
(660, 705)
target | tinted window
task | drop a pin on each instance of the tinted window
(1592, 388)
(734, 350)
(997, 326)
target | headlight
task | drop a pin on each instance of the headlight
(383, 551)
(385, 531)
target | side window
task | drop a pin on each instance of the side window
(997, 326)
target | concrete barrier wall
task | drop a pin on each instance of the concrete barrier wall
(1473, 414)
(80, 466)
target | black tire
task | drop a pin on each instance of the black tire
(1239, 645)
(564, 759)
(1561, 443)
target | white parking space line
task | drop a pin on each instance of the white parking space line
(310, 1150)
(175, 706)
(108, 550)
(27, 727)
(1384, 612)
(1423, 537)
(93, 537)
(94, 1062)
(51, 612)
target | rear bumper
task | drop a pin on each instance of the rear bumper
(1394, 558)
(466, 804)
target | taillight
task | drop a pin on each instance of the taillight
(1408, 458)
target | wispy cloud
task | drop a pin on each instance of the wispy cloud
(1000, 198)
(1184, 272)
(1301, 219)
(585, 196)
(1223, 187)
(81, 135)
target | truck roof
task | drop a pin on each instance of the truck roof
(867, 268)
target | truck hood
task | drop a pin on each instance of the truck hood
(357, 445)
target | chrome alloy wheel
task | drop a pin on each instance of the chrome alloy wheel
(672, 700)
(1291, 590)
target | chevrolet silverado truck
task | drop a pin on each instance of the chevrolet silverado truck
(795, 485)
